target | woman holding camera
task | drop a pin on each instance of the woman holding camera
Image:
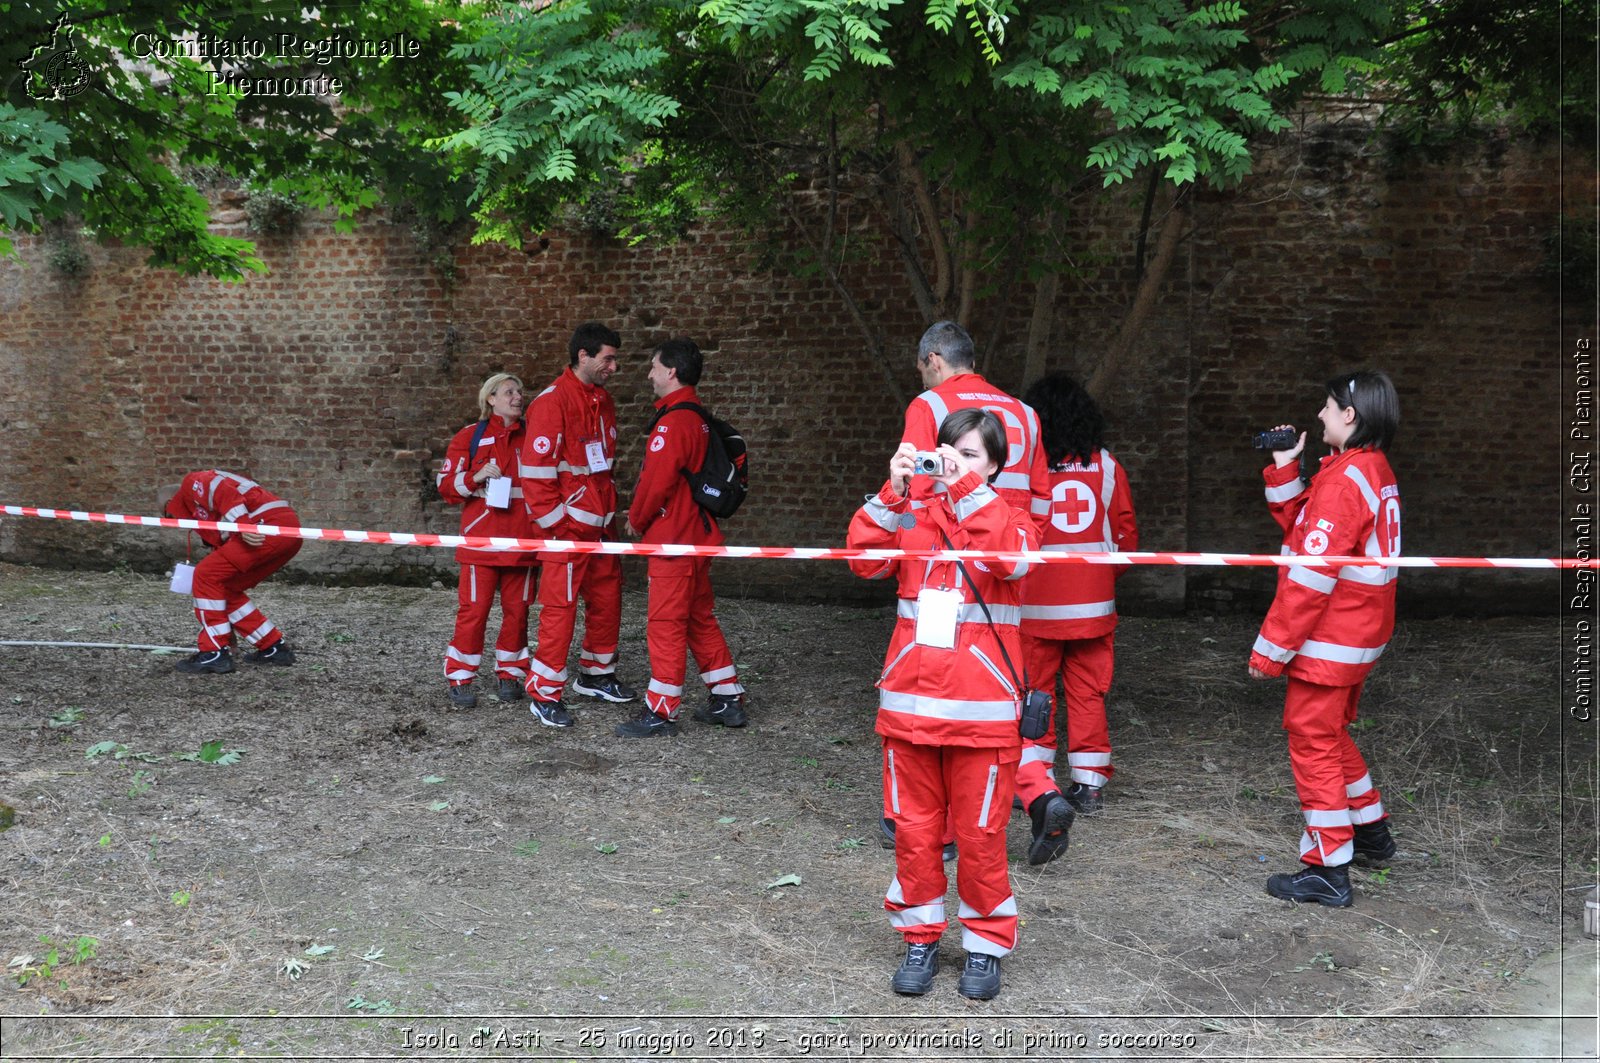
(949, 698)
(1326, 628)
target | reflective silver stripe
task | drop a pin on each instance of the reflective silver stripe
(1371, 575)
(1108, 487)
(881, 515)
(1037, 754)
(979, 497)
(897, 659)
(536, 472)
(551, 519)
(894, 801)
(1089, 760)
(1005, 907)
(1272, 651)
(210, 604)
(979, 654)
(462, 487)
(972, 941)
(728, 688)
(1039, 507)
(988, 796)
(473, 659)
(599, 658)
(1102, 547)
(1284, 492)
(543, 671)
(261, 633)
(1014, 481)
(1327, 817)
(918, 916)
(1309, 577)
(1371, 814)
(218, 629)
(235, 513)
(511, 655)
(276, 503)
(1313, 840)
(936, 405)
(1089, 778)
(1332, 651)
(474, 523)
(240, 613)
(1359, 787)
(245, 486)
(1020, 568)
(458, 674)
(948, 708)
(1360, 480)
(718, 674)
(583, 516)
(1069, 612)
(658, 687)
(970, 612)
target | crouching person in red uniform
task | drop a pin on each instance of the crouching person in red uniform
(479, 455)
(948, 706)
(1326, 628)
(237, 562)
(1069, 612)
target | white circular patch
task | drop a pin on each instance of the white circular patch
(541, 445)
(657, 442)
(1316, 541)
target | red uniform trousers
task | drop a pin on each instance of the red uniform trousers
(1085, 669)
(679, 619)
(597, 579)
(475, 593)
(1335, 788)
(928, 790)
(222, 577)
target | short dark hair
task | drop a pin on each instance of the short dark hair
(681, 354)
(1376, 403)
(1070, 421)
(951, 341)
(591, 336)
(990, 430)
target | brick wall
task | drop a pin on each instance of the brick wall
(339, 377)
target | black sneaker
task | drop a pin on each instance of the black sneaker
(213, 662)
(1324, 885)
(509, 690)
(887, 826)
(462, 696)
(646, 725)
(1085, 800)
(981, 978)
(915, 974)
(1374, 844)
(606, 686)
(280, 653)
(550, 713)
(1052, 819)
(726, 709)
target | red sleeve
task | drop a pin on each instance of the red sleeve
(667, 453)
(920, 430)
(1124, 528)
(454, 480)
(876, 526)
(1286, 494)
(539, 470)
(1339, 516)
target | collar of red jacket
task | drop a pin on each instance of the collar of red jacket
(683, 394)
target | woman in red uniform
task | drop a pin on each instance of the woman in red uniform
(1326, 628)
(480, 454)
(949, 699)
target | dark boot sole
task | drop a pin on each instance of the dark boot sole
(1328, 902)
(1052, 841)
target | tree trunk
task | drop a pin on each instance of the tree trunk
(1044, 313)
(1144, 299)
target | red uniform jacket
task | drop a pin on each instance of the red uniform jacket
(212, 494)
(1091, 510)
(1329, 627)
(663, 511)
(568, 495)
(965, 696)
(1024, 481)
(502, 445)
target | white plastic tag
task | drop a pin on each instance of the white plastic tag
(595, 454)
(497, 492)
(937, 614)
(182, 578)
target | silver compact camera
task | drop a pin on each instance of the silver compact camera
(927, 463)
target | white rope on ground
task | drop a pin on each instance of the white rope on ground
(101, 646)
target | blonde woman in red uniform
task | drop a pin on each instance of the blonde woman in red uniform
(949, 699)
(1326, 628)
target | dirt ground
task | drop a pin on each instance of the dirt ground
(375, 875)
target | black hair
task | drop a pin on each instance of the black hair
(591, 336)
(1376, 404)
(952, 343)
(681, 354)
(1070, 422)
(990, 431)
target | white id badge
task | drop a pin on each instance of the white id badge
(937, 613)
(182, 578)
(595, 454)
(497, 492)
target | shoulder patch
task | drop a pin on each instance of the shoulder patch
(658, 441)
(1316, 541)
(541, 445)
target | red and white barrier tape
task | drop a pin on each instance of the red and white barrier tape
(801, 553)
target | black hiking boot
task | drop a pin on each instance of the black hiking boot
(1324, 885)
(213, 662)
(915, 975)
(1052, 819)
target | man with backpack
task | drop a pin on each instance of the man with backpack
(679, 616)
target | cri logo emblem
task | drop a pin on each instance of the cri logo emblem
(542, 445)
(657, 442)
(1316, 541)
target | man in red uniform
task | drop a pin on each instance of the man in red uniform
(679, 617)
(1069, 612)
(947, 363)
(237, 562)
(480, 455)
(567, 482)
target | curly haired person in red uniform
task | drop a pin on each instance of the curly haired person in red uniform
(1326, 628)
(949, 705)
(237, 562)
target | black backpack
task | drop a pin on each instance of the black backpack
(720, 485)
